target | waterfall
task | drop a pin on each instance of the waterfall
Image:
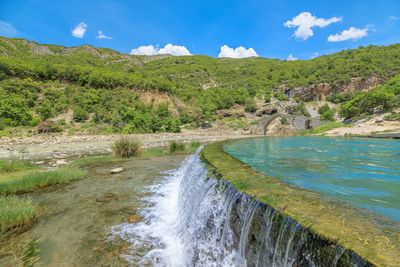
(192, 219)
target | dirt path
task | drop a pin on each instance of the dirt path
(63, 146)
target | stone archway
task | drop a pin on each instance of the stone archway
(308, 125)
(278, 123)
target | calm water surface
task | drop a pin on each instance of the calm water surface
(364, 172)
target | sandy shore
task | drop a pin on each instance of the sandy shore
(367, 128)
(62, 146)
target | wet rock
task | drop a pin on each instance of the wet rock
(107, 197)
(117, 170)
(134, 218)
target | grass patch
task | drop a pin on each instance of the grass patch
(13, 165)
(195, 145)
(236, 123)
(15, 213)
(175, 147)
(127, 148)
(92, 160)
(37, 179)
(323, 128)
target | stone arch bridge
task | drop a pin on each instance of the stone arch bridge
(298, 122)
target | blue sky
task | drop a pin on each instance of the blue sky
(202, 27)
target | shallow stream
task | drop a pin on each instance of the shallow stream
(76, 218)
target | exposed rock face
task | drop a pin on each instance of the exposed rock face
(321, 91)
(41, 50)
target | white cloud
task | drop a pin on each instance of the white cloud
(239, 52)
(394, 18)
(305, 21)
(151, 50)
(291, 58)
(350, 34)
(6, 29)
(79, 30)
(101, 35)
(174, 50)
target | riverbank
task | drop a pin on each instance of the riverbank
(372, 127)
(373, 238)
(74, 219)
(55, 146)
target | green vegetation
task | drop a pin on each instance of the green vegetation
(14, 165)
(326, 113)
(127, 148)
(40, 179)
(394, 116)
(15, 213)
(250, 105)
(176, 146)
(351, 227)
(119, 92)
(284, 121)
(383, 98)
(300, 110)
(323, 128)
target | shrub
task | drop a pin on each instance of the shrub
(175, 146)
(250, 105)
(280, 96)
(394, 116)
(48, 127)
(326, 113)
(80, 115)
(285, 121)
(127, 148)
(300, 110)
(267, 97)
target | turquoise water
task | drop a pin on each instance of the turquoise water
(363, 172)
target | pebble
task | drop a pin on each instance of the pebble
(134, 218)
(117, 170)
(61, 162)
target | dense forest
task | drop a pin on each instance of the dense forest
(39, 82)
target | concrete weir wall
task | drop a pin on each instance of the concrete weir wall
(263, 236)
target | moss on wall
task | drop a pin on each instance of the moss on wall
(374, 238)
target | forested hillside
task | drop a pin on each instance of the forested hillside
(159, 93)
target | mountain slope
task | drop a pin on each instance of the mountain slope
(106, 87)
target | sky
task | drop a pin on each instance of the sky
(284, 29)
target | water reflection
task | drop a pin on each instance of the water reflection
(365, 172)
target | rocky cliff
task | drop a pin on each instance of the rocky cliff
(323, 90)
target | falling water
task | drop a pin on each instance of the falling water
(192, 219)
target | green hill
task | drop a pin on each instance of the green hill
(151, 94)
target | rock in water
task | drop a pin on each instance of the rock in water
(117, 170)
